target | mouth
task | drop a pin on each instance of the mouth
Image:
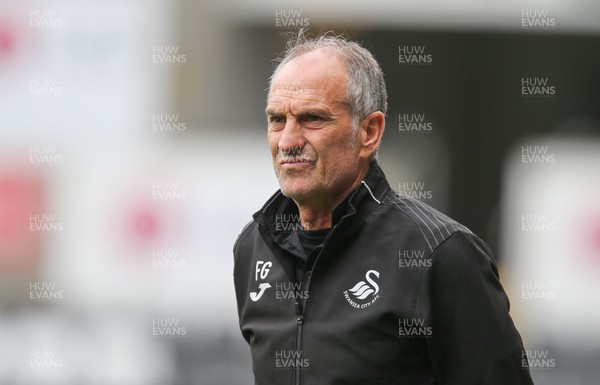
(294, 162)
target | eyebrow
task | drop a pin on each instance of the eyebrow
(308, 111)
(271, 111)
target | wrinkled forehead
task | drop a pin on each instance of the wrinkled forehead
(313, 72)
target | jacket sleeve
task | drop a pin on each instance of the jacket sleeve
(240, 273)
(473, 340)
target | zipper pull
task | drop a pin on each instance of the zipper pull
(299, 317)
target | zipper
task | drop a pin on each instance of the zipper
(299, 323)
(301, 310)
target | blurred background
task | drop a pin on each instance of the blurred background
(133, 151)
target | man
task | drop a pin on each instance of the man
(338, 279)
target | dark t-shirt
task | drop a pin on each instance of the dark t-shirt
(311, 241)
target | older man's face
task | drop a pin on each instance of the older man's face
(310, 129)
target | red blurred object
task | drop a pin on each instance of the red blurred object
(21, 194)
(593, 234)
(7, 40)
(145, 224)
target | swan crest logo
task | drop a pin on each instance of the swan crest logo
(363, 294)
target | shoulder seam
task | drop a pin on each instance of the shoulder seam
(432, 224)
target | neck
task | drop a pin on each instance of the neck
(312, 218)
(319, 215)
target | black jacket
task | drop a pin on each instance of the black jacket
(399, 294)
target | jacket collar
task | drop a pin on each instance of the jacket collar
(279, 215)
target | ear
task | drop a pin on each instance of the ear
(370, 133)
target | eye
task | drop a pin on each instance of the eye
(276, 119)
(313, 119)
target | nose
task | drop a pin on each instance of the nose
(291, 136)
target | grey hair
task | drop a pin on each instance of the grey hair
(365, 87)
